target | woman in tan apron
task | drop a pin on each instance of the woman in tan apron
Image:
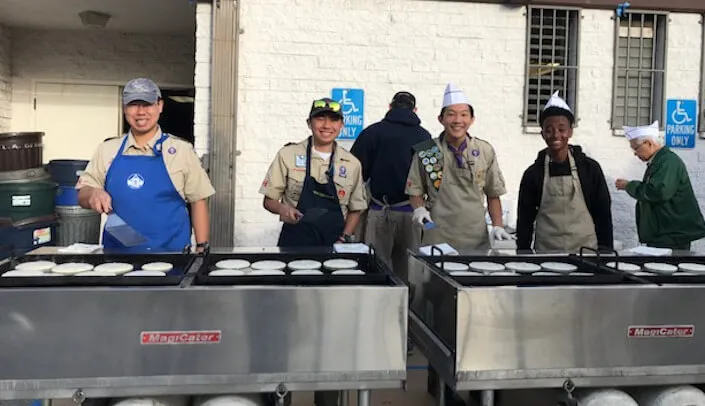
(564, 203)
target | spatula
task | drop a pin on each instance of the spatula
(121, 231)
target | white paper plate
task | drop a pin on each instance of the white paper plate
(340, 263)
(624, 266)
(72, 268)
(96, 273)
(226, 272)
(661, 268)
(158, 267)
(266, 272)
(268, 266)
(145, 272)
(545, 273)
(453, 266)
(303, 272)
(19, 273)
(465, 273)
(560, 267)
(486, 267)
(690, 267)
(348, 272)
(522, 267)
(232, 264)
(40, 266)
(582, 274)
(118, 268)
(304, 264)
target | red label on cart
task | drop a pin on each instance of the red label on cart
(677, 331)
(180, 337)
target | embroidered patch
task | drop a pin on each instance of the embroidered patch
(341, 193)
(343, 172)
(172, 150)
(475, 153)
(265, 183)
(135, 181)
(300, 161)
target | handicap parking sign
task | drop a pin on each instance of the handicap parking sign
(352, 103)
(681, 123)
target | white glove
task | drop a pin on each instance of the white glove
(421, 214)
(499, 233)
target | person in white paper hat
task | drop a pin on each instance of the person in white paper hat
(564, 202)
(456, 172)
(667, 212)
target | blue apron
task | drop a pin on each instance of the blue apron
(319, 201)
(144, 196)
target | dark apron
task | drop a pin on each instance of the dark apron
(323, 221)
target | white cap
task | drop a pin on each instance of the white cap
(556, 101)
(453, 95)
(633, 133)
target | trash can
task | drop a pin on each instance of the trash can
(77, 225)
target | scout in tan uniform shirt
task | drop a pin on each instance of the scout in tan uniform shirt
(455, 172)
(147, 177)
(329, 215)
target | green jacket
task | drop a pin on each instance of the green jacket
(667, 212)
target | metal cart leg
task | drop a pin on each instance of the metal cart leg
(363, 397)
(345, 398)
(441, 394)
(487, 398)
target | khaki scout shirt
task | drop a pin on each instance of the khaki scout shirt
(182, 164)
(486, 173)
(285, 177)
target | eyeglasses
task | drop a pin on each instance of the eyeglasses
(333, 105)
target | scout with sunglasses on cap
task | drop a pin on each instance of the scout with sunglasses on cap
(564, 203)
(148, 177)
(456, 172)
(315, 187)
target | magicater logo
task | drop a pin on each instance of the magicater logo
(135, 181)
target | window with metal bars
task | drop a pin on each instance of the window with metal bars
(551, 59)
(640, 69)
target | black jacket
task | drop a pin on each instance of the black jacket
(592, 180)
(384, 149)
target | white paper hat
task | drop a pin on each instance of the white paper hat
(453, 95)
(633, 133)
(557, 101)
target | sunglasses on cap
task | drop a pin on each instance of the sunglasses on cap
(332, 105)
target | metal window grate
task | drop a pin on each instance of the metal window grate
(552, 59)
(640, 69)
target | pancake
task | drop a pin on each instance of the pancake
(348, 272)
(582, 274)
(453, 266)
(72, 268)
(624, 266)
(96, 273)
(465, 273)
(267, 272)
(118, 268)
(232, 264)
(226, 272)
(158, 266)
(268, 266)
(559, 267)
(522, 267)
(304, 264)
(546, 273)
(503, 273)
(486, 267)
(660, 268)
(19, 273)
(40, 266)
(340, 263)
(690, 267)
(303, 272)
(145, 272)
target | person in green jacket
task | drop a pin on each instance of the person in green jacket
(667, 212)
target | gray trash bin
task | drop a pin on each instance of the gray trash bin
(77, 224)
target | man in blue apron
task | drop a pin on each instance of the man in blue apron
(315, 187)
(147, 177)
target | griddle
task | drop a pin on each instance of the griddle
(181, 262)
(376, 273)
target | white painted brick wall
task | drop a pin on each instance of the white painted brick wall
(293, 53)
(91, 56)
(202, 77)
(5, 81)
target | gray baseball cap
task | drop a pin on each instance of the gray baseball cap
(141, 89)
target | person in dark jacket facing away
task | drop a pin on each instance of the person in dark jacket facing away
(564, 203)
(667, 211)
(385, 151)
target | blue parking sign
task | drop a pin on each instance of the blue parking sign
(352, 102)
(681, 123)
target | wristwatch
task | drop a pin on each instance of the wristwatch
(205, 245)
(347, 238)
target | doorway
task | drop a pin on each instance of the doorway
(177, 115)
